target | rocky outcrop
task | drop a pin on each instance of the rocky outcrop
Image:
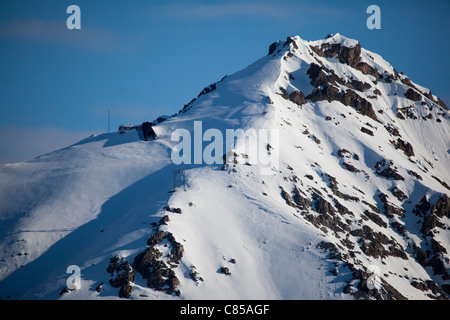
(158, 275)
(273, 47)
(405, 146)
(122, 276)
(151, 265)
(348, 98)
(350, 56)
(325, 84)
(297, 97)
(413, 95)
(389, 172)
(373, 244)
(300, 200)
(207, 89)
(347, 55)
(389, 209)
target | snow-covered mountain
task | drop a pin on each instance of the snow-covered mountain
(354, 204)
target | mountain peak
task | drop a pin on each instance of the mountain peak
(338, 39)
(354, 204)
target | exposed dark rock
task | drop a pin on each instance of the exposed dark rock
(343, 153)
(328, 92)
(393, 130)
(126, 290)
(321, 76)
(333, 184)
(145, 260)
(350, 56)
(389, 172)
(358, 85)
(436, 247)
(187, 106)
(315, 139)
(400, 116)
(350, 167)
(409, 112)
(367, 131)
(161, 119)
(389, 209)
(208, 89)
(327, 218)
(348, 98)
(347, 289)
(413, 95)
(367, 69)
(375, 218)
(273, 47)
(399, 227)
(163, 220)
(283, 93)
(372, 243)
(174, 210)
(297, 97)
(124, 276)
(391, 292)
(99, 288)
(176, 253)
(419, 285)
(286, 197)
(442, 207)
(421, 256)
(290, 40)
(435, 289)
(195, 275)
(158, 275)
(322, 206)
(422, 207)
(325, 81)
(371, 206)
(302, 202)
(341, 208)
(156, 238)
(225, 271)
(399, 194)
(444, 184)
(415, 174)
(327, 246)
(406, 147)
(362, 289)
(429, 222)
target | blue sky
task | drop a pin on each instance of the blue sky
(142, 59)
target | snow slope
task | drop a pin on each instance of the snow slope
(311, 229)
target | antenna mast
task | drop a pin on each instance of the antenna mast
(109, 121)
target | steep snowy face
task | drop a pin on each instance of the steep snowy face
(347, 198)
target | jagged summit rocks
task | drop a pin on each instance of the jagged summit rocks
(361, 184)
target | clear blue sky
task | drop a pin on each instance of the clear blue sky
(141, 59)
